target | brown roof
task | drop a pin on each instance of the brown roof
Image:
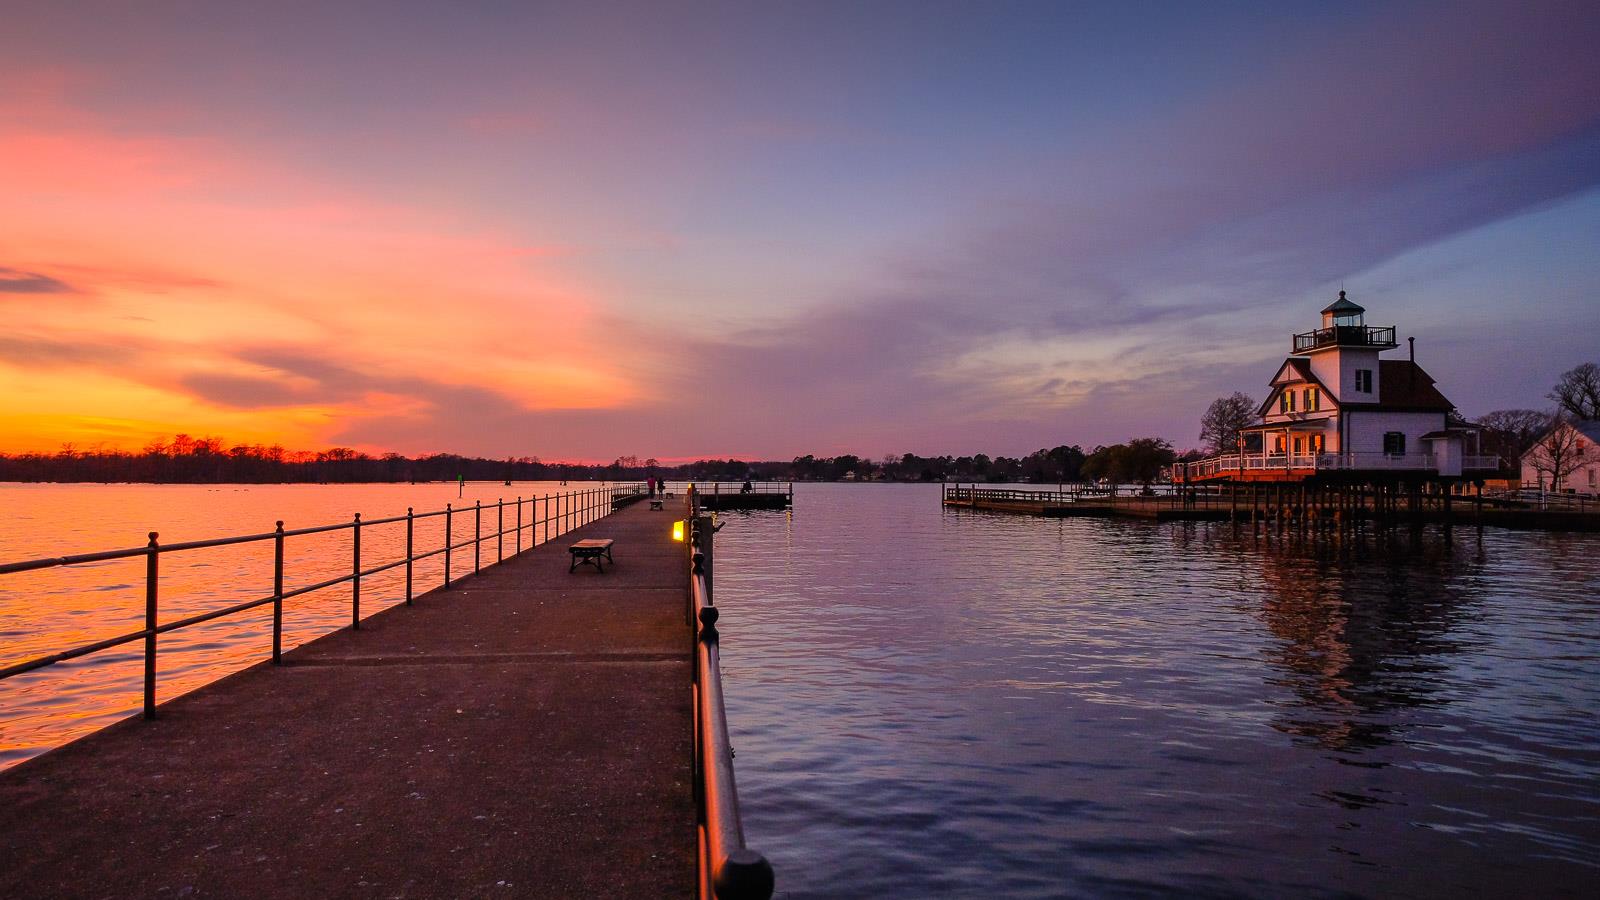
(1402, 384)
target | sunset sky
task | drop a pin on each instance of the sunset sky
(762, 229)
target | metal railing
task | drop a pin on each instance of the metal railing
(1345, 335)
(728, 870)
(562, 512)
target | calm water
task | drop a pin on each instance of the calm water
(931, 703)
(51, 610)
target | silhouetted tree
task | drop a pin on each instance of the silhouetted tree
(1557, 453)
(1578, 391)
(1510, 433)
(1223, 420)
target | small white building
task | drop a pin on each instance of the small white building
(1335, 404)
(1580, 471)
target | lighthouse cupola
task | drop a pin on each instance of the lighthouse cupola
(1344, 326)
(1342, 311)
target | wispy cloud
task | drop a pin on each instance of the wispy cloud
(16, 281)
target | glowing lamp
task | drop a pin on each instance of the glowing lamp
(677, 531)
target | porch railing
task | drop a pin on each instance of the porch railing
(1279, 462)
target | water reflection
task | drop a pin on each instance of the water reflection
(1365, 621)
(955, 703)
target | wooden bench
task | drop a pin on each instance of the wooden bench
(656, 504)
(591, 551)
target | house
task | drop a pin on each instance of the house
(1566, 459)
(1336, 405)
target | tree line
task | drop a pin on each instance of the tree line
(210, 460)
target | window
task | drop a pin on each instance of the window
(1312, 399)
(1277, 444)
(1394, 443)
(1299, 446)
(1316, 443)
(1592, 470)
(1283, 402)
(1364, 381)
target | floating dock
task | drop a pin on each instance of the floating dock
(721, 496)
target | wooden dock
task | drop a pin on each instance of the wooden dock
(525, 733)
(1276, 504)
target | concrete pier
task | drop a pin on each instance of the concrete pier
(527, 733)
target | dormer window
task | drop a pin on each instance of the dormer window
(1312, 399)
(1286, 401)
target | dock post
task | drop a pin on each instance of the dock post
(477, 533)
(410, 525)
(355, 575)
(277, 595)
(519, 526)
(448, 540)
(500, 530)
(151, 573)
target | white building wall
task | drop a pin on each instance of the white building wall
(1447, 455)
(1337, 369)
(1364, 431)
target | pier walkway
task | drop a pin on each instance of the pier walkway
(525, 733)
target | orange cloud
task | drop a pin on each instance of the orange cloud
(195, 250)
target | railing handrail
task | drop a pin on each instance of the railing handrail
(728, 870)
(570, 510)
(1349, 460)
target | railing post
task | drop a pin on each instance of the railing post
(151, 572)
(277, 595)
(477, 532)
(500, 530)
(410, 526)
(447, 542)
(519, 526)
(708, 539)
(355, 574)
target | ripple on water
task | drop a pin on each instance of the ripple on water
(931, 703)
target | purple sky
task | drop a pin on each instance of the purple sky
(769, 229)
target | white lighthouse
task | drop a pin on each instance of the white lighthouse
(1336, 404)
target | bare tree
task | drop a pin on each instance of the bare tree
(1557, 454)
(1510, 433)
(1219, 427)
(1578, 391)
